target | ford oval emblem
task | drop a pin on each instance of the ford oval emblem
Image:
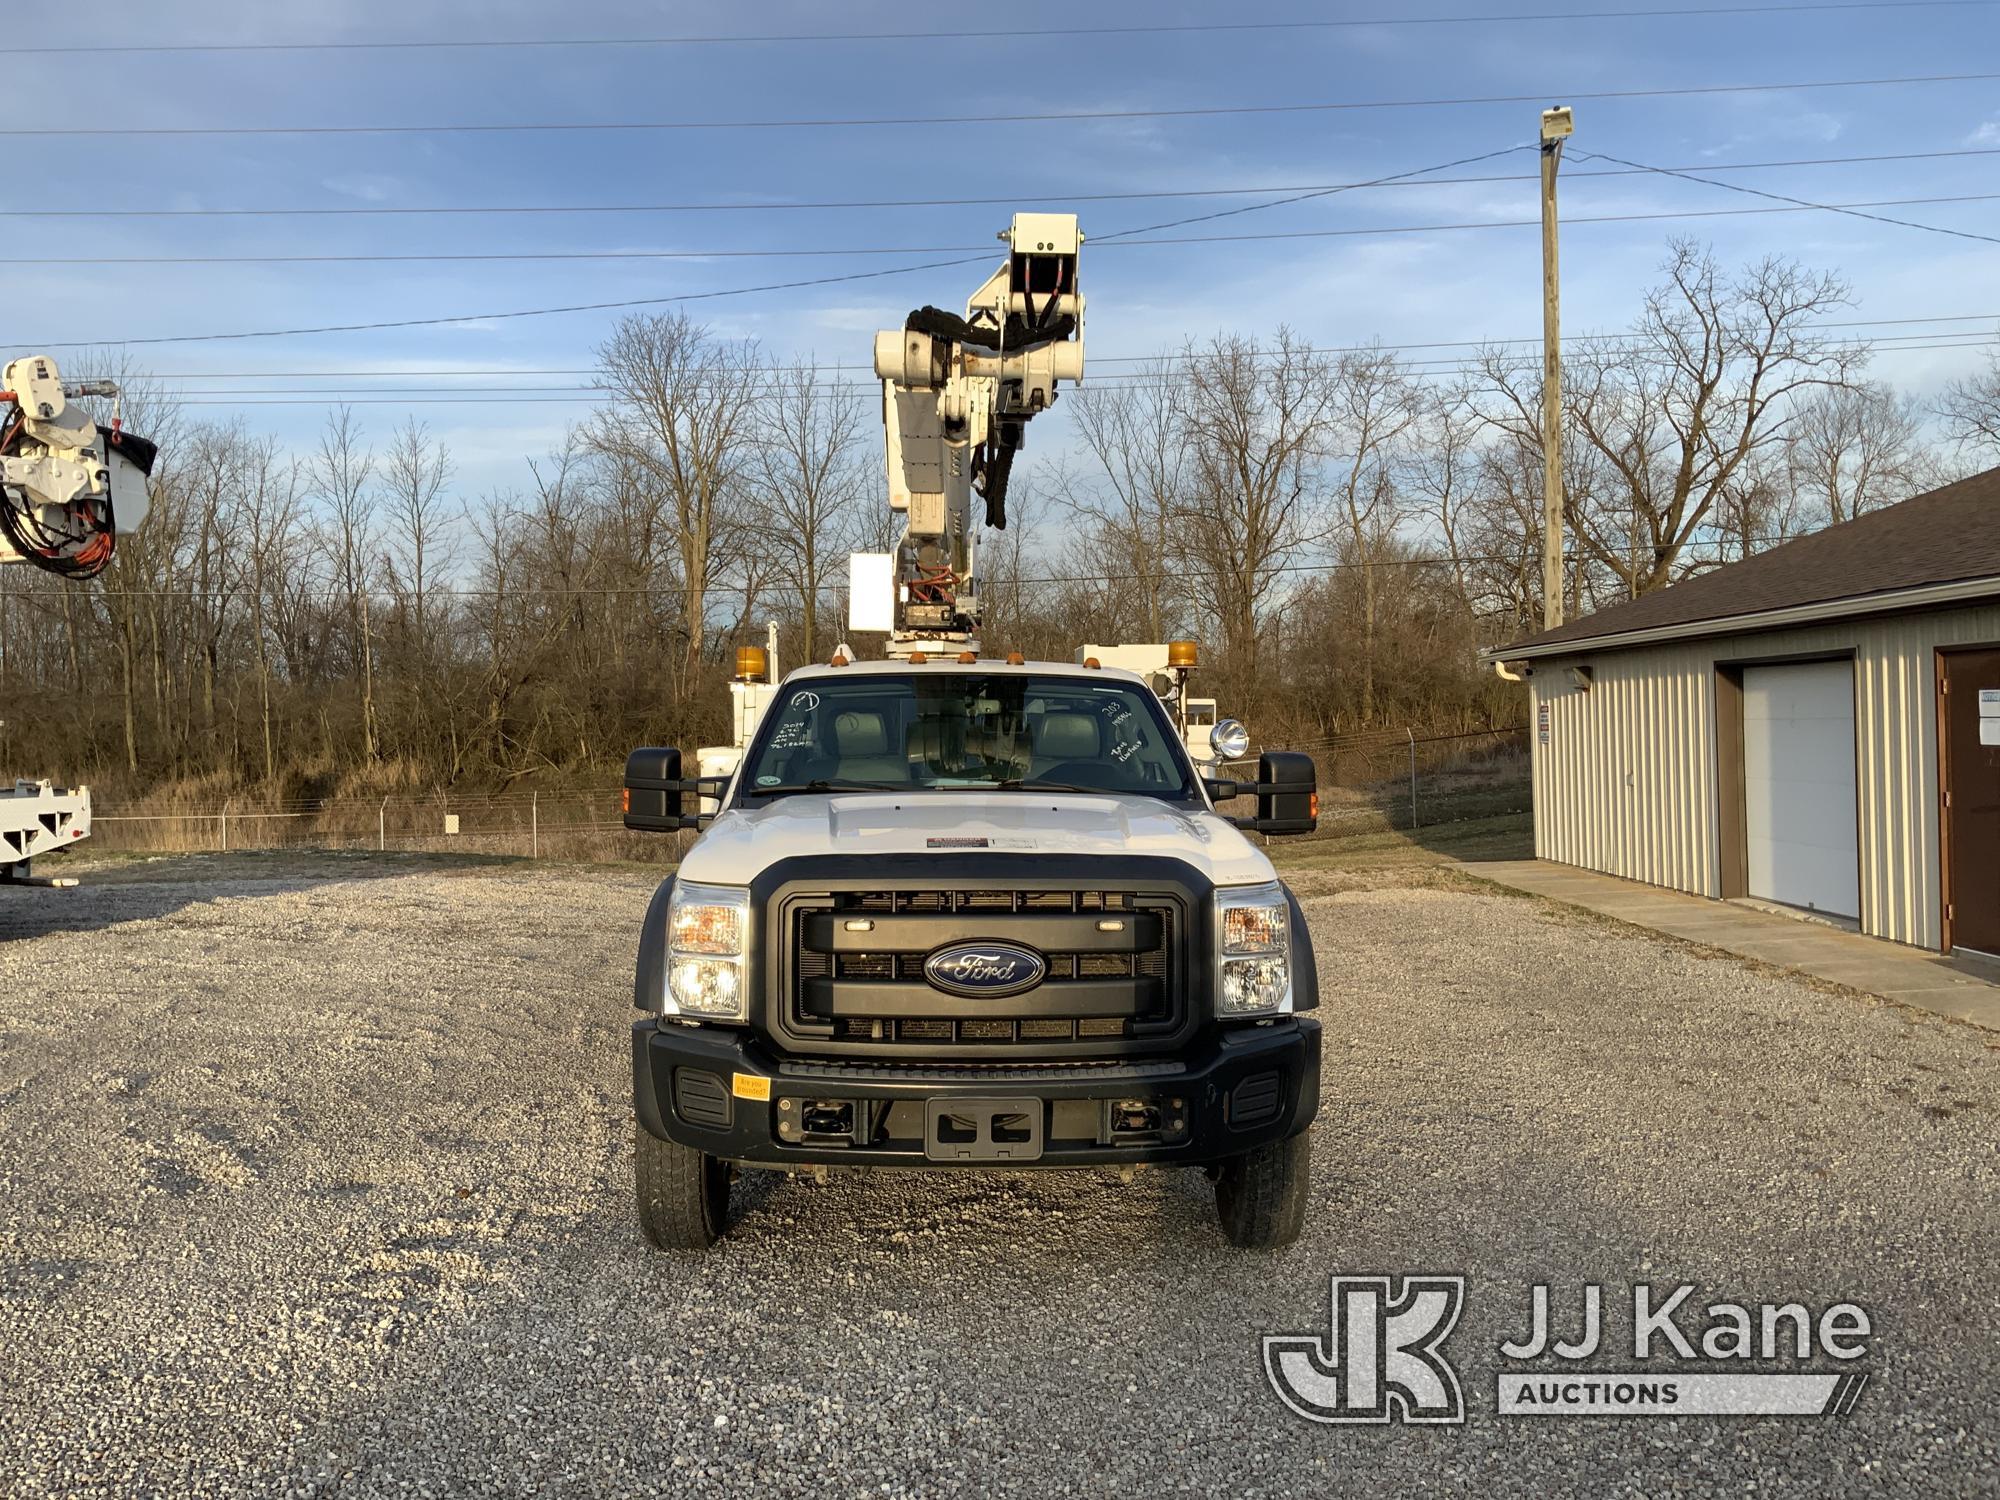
(985, 971)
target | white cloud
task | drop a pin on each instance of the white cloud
(864, 319)
(369, 187)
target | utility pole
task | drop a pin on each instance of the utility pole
(1556, 127)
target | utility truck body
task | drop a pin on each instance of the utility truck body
(954, 911)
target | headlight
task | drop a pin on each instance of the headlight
(708, 940)
(1253, 952)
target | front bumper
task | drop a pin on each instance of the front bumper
(724, 1092)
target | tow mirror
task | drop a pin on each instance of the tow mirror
(655, 789)
(1287, 792)
(1286, 789)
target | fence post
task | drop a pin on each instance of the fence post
(382, 827)
(1413, 774)
(225, 824)
(534, 825)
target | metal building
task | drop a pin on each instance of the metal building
(1817, 726)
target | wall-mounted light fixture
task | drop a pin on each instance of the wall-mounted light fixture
(1580, 678)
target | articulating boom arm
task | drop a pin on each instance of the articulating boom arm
(68, 487)
(956, 394)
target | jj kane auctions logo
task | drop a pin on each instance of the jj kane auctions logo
(1382, 1358)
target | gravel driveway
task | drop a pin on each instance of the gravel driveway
(315, 1180)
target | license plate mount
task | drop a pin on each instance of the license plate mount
(996, 1130)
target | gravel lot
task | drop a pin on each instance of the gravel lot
(315, 1180)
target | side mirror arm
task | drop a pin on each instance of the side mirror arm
(712, 786)
(1222, 791)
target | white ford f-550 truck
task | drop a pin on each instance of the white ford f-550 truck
(952, 911)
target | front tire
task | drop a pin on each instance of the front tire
(682, 1194)
(1261, 1195)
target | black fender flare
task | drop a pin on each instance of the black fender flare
(649, 979)
(1305, 971)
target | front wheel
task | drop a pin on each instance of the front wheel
(683, 1194)
(1260, 1196)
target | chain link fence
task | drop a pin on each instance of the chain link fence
(1409, 780)
(1369, 783)
(581, 824)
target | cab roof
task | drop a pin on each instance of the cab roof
(949, 662)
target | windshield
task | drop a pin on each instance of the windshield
(942, 730)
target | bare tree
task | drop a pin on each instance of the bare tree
(1852, 449)
(339, 475)
(269, 520)
(1006, 596)
(1500, 538)
(1137, 439)
(1375, 405)
(1971, 411)
(805, 482)
(1706, 378)
(214, 562)
(419, 549)
(682, 404)
(417, 514)
(1258, 422)
(1444, 471)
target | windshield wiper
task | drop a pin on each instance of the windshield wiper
(1036, 784)
(829, 786)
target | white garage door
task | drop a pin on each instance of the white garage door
(1798, 785)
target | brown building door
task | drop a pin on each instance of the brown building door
(1969, 774)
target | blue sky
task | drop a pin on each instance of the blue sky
(1403, 288)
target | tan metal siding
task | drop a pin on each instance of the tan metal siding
(1627, 783)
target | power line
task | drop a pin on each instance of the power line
(1114, 237)
(1012, 199)
(674, 299)
(620, 305)
(594, 396)
(630, 302)
(1118, 380)
(467, 44)
(1792, 207)
(339, 395)
(1118, 235)
(1852, 209)
(1044, 117)
(1101, 242)
(1172, 356)
(733, 590)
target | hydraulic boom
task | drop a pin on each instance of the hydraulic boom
(956, 394)
(68, 489)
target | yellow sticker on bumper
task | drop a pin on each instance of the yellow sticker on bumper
(750, 1086)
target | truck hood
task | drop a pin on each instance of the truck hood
(956, 826)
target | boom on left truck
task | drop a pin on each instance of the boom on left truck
(69, 488)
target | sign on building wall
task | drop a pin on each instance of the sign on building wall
(1989, 716)
(1542, 721)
